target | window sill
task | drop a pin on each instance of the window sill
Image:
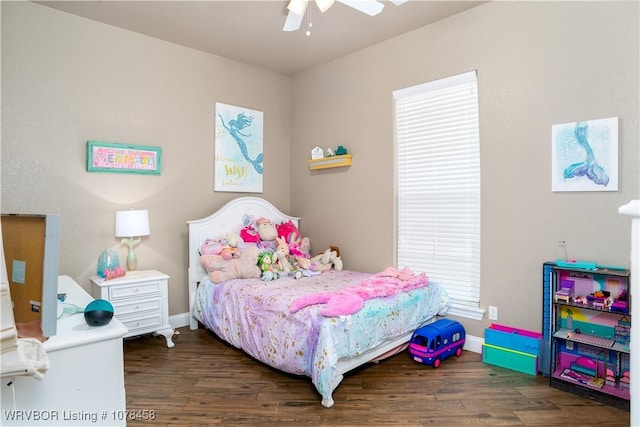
(473, 313)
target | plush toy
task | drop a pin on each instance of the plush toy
(243, 267)
(229, 252)
(265, 263)
(249, 235)
(218, 247)
(294, 250)
(212, 246)
(305, 247)
(266, 230)
(289, 232)
(329, 258)
(234, 240)
(282, 254)
(304, 263)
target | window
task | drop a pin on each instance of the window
(438, 186)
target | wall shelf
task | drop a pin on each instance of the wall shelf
(330, 162)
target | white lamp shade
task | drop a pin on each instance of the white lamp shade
(132, 223)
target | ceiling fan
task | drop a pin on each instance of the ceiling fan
(297, 9)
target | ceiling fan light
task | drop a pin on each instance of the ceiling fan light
(324, 5)
(297, 6)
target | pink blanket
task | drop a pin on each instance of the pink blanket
(351, 299)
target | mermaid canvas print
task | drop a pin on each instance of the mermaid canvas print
(238, 160)
(585, 156)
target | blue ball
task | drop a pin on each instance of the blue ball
(98, 312)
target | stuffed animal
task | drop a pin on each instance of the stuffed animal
(282, 254)
(266, 230)
(243, 267)
(234, 240)
(329, 258)
(289, 232)
(249, 234)
(218, 247)
(212, 246)
(304, 263)
(305, 247)
(294, 250)
(265, 263)
(228, 252)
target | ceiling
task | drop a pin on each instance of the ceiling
(251, 31)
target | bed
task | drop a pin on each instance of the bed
(285, 323)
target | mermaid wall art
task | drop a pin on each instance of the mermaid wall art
(585, 156)
(238, 153)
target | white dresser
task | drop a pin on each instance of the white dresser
(85, 381)
(139, 301)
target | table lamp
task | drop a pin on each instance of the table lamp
(132, 224)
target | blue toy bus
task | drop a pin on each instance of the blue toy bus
(433, 343)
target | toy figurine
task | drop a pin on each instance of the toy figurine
(437, 341)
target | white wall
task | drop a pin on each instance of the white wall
(538, 64)
(67, 80)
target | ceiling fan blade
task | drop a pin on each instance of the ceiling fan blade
(298, 6)
(324, 5)
(293, 21)
(370, 7)
(398, 2)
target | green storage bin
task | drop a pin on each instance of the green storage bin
(510, 359)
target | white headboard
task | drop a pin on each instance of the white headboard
(226, 220)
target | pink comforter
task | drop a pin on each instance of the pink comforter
(350, 300)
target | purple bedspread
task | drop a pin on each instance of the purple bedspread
(254, 315)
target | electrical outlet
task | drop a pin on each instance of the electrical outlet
(493, 312)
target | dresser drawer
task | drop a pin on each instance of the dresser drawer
(134, 290)
(139, 324)
(138, 306)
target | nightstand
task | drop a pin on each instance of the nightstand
(140, 301)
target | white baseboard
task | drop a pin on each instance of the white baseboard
(179, 320)
(472, 343)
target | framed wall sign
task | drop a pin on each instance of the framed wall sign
(123, 158)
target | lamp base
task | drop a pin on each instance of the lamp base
(132, 261)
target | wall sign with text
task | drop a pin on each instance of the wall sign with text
(123, 158)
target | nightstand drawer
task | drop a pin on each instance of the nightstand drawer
(140, 301)
(127, 291)
(139, 324)
(138, 306)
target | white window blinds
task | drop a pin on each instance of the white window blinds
(438, 184)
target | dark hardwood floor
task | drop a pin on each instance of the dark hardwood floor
(203, 381)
